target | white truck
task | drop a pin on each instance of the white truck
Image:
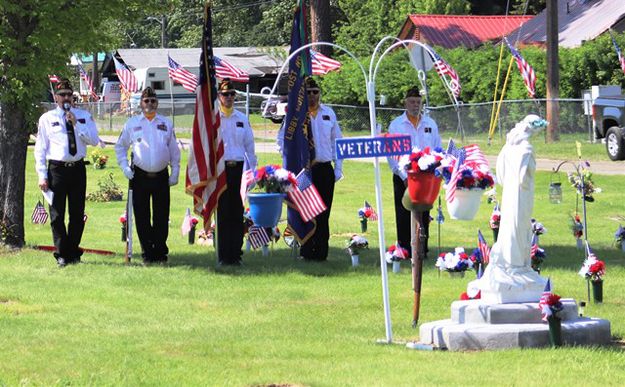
(608, 114)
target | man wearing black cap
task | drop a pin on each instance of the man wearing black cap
(62, 139)
(154, 148)
(325, 129)
(238, 139)
(423, 133)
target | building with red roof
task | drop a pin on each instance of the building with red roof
(452, 31)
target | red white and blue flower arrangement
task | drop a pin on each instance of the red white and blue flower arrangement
(426, 160)
(274, 179)
(395, 254)
(455, 262)
(593, 268)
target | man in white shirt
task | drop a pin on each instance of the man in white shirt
(62, 139)
(325, 130)
(238, 139)
(154, 148)
(423, 133)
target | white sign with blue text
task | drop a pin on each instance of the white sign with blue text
(363, 147)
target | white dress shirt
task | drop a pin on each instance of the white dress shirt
(238, 138)
(325, 130)
(154, 145)
(52, 143)
(424, 135)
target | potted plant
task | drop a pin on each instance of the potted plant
(266, 206)
(365, 214)
(550, 306)
(354, 245)
(455, 263)
(589, 185)
(424, 176)
(476, 260)
(593, 270)
(123, 220)
(99, 159)
(395, 254)
(469, 182)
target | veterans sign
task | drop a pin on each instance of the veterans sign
(362, 147)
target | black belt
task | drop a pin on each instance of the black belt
(233, 163)
(141, 172)
(67, 164)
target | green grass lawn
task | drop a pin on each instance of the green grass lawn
(279, 320)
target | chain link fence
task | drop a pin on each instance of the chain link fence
(465, 121)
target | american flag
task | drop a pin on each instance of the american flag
(527, 72)
(85, 77)
(226, 70)
(452, 149)
(443, 68)
(247, 178)
(543, 304)
(322, 64)
(475, 157)
(483, 246)
(450, 194)
(54, 78)
(181, 75)
(185, 227)
(621, 59)
(126, 77)
(374, 215)
(39, 216)
(258, 237)
(306, 198)
(206, 177)
(534, 247)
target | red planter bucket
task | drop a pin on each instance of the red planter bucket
(423, 187)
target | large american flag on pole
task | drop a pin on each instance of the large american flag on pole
(527, 72)
(85, 77)
(181, 75)
(206, 177)
(306, 198)
(443, 68)
(126, 76)
(621, 59)
(450, 193)
(322, 64)
(226, 70)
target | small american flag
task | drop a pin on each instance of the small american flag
(247, 178)
(621, 59)
(226, 70)
(39, 216)
(126, 77)
(534, 247)
(483, 246)
(374, 215)
(443, 68)
(452, 149)
(527, 72)
(450, 194)
(185, 227)
(306, 198)
(54, 78)
(85, 77)
(543, 304)
(322, 64)
(181, 75)
(258, 237)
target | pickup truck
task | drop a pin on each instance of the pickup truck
(608, 113)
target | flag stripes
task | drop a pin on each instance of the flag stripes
(483, 246)
(450, 193)
(181, 75)
(126, 76)
(40, 215)
(322, 64)
(85, 77)
(443, 68)
(374, 215)
(543, 304)
(306, 198)
(258, 237)
(54, 78)
(621, 59)
(226, 70)
(527, 72)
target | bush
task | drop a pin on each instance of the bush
(109, 191)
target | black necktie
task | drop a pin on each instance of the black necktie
(71, 137)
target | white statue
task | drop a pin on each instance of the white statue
(509, 276)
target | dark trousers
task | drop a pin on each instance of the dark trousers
(402, 217)
(69, 185)
(152, 223)
(230, 217)
(316, 248)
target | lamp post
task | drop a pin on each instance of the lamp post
(163, 22)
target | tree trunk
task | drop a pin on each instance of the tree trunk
(13, 149)
(320, 25)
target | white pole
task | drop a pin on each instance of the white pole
(173, 109)
(247, 101)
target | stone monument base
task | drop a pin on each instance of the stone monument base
(475, 325)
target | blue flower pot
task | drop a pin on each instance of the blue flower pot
(265, 208)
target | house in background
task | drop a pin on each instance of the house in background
(578, 21)
(450, 31)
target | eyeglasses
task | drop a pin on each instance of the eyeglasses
(66, 94)
(150, 100)
(229, 93)
(314, 92)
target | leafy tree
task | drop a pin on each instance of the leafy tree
(36, 39)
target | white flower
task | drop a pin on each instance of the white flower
(281, 174)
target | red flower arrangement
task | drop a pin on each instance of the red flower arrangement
(426, 160)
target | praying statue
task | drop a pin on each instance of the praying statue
(509, 276)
